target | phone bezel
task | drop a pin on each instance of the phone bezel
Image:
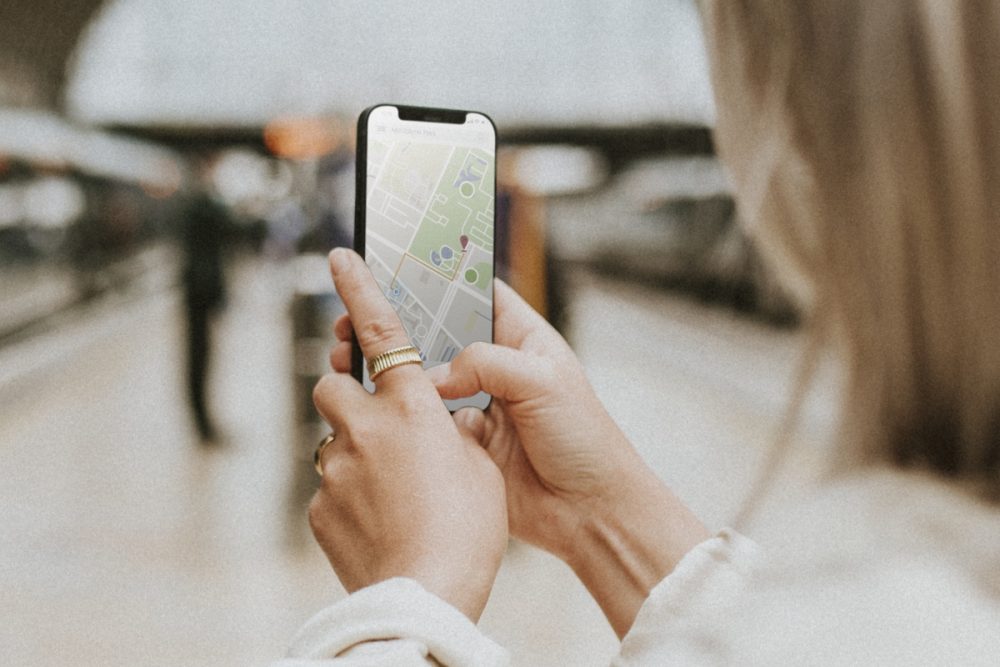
(414, 114)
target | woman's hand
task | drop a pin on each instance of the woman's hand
(560, 452)
(405, 493)
(575, 485)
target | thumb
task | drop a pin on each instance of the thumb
(508, 374)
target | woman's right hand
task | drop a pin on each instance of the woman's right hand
(575, 485)
(560, 452)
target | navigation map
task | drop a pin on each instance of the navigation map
(429, 240)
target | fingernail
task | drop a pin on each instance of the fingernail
(338, 260)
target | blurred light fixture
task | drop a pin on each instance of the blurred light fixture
(106, 155)
(239, 175)
(554, 171)
(46, 141)
(38, 137)
(11, 206)
(301, 138)
(52, 202)
(655, 181)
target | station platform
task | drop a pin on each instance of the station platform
(123, 540)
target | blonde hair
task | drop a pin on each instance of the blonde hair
(864, 143)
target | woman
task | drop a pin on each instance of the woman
(865, 151)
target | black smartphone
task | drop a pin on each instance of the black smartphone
(424, 222)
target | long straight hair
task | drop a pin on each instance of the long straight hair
(863, 139)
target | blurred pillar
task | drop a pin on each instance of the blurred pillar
(521, 234)
(528, 259)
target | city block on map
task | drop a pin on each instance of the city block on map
(430, 241)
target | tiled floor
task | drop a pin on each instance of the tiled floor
(124, 542)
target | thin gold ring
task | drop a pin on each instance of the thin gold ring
(397, 356)
(318, 454)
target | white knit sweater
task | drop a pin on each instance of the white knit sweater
(879, 569)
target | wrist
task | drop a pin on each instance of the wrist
(465, 580)
(467, 598)
(629, 542)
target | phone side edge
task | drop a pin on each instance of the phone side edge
(493, 300)
(360, 204)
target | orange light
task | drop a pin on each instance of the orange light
(300, 138)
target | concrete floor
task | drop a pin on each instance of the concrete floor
(123, 541)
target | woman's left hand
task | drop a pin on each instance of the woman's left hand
(404, 493)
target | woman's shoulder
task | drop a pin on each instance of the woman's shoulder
(882, 567)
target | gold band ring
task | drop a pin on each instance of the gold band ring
(318, 454)
(392, 358)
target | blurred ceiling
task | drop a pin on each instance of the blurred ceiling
(629, 77)
(37, 39)
(230, 63)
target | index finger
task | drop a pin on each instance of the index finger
(376, 326)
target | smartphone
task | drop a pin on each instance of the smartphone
(424, 222)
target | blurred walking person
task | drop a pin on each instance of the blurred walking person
(204, 223)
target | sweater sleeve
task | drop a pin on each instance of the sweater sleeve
(394, 622)
(703, 588)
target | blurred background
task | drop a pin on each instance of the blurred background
(171, 177)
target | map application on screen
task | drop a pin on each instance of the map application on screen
(429, 229)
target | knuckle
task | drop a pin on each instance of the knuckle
(342, 328)
(340, 357)
(324, 389)
(546, 376)
(476, 348)
(474, 352)
(316, 513)
(379, 332)
(470, 357)
(337, 475)
(412, 405)
(323, 521)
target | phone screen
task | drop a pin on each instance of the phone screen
(425, 222)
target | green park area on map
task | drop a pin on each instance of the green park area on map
(461, 206)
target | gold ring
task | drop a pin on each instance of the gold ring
(392, 358)
(318, 454)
